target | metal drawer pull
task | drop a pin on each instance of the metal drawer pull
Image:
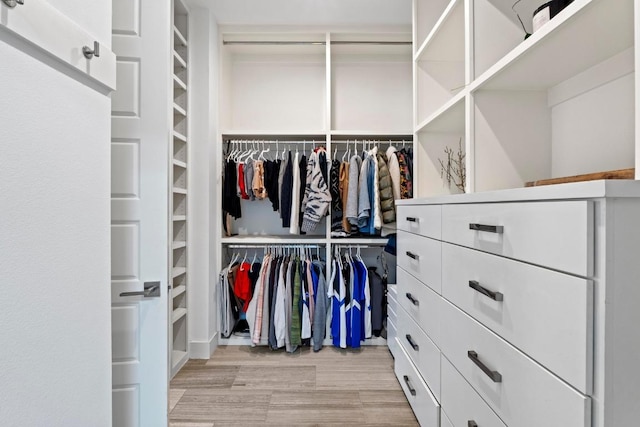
(472, 423)
(151, 290)
(411, 389)
(496, 296)
(412, 255)
(412, 343)
(412, 299)
(412, 219)
(494, 375)
(488, 228)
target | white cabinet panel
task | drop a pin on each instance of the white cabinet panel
(421, 220)
(425, 406)
(546, 314)
(461, 402)
(558, 235)
(519, 390)
(421, 303)
(125, 169)
(420, 256)
(422, 351)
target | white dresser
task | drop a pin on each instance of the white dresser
(521, 308)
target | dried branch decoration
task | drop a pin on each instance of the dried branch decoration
(453, 170)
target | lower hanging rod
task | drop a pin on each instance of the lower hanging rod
(267, 245)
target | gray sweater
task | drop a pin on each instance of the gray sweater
(355, 163)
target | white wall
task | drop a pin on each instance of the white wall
(203, 113)
(55, 362)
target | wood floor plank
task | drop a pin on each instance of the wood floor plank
(213, 405)
(265, 377)
(204, 376)
(175, 394)
(242, 386)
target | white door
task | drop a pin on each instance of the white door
(139, 211)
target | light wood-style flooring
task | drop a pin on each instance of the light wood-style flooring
(248, 386)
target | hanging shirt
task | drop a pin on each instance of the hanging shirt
(294, 227)
(242, 287)
(280, 314)
(321, 306)
(352, 210)
(305, 331)
(286, 193)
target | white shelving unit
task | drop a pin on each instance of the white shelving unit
(559, 103)
(179, 188)
(334, 87)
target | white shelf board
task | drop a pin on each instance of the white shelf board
(576, 39)
(178, 135)
(178, 358)
(178, 290)
(178, 109)
(179, 163)
(445, 19)
(179, 59)
(179, 244)
(265, 240)
(381, 241)
(178, 314)
(178, 83)
(181, 38)
(179, 217)
(363, 134)
(309, 135)
(448, 118)
(178, 190)
(178, 271)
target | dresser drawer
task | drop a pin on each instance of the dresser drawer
(424, 404)
(461, 403)
(421, 257)
(558, 235)
(546, 314)
(392, 314)
(420, 302)
(421, 220)
(392, 297)
(422, 351)
(444, 420)
(392, 343)
(519, 390)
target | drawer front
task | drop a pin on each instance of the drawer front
(520, 391)
(461, 403)
(424, 404)
(392, 343)
(392, 297)
(422, 351)
(420, 256)
(444, 420)
(391, 314)
(421, 220)
(546, 314)
(421, 302)
(558, 235)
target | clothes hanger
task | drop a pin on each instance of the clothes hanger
(261, 156)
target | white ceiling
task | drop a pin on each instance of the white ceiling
(309, 12)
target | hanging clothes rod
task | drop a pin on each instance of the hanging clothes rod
(362, 246)
(311, 43)
(267, 245)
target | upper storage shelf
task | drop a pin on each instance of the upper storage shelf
(273, 84)
(427, 16)
(584, 34)
(440, 62)
(371, 83)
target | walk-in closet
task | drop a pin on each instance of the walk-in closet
(304, 212)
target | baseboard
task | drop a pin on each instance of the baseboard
(203, 349)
